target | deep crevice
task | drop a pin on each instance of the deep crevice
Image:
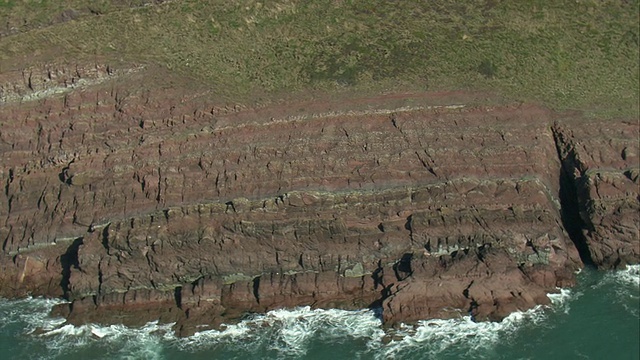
(570, 216)
(177, 295)
(403, 268)
(378, 276)
(67, 260)
(256, 289)
(569, 203)
(105, 238)
(378, 280)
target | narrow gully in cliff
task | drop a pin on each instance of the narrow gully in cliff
(570, 216)
(570, 208)
(67, 260)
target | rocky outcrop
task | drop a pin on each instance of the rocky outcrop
(138, 205)
(53, 80)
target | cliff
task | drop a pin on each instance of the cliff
(137, 204)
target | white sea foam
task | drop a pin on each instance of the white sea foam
(627, 288)
(60, 338)
(124, 342)
(433, 338)
(628, 276)
(289, 332)
(561, 297)
(278, 333)
(33, 312)
(561, 300)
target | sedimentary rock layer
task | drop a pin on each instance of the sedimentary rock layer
(601, 165)
(137, 205)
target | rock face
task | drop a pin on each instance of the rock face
(600, 161)
(137, 205)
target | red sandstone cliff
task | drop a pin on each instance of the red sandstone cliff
(138, 204)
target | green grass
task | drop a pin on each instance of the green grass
(565, 54)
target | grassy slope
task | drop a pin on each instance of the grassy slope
(566, 54)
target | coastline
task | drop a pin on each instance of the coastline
(423, 213)
(292, 333)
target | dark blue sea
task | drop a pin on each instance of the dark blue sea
(598, 319)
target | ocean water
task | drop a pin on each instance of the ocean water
(598, 319)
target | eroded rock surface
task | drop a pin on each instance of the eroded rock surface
(138, 205)
(601, 164)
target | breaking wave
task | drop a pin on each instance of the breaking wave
(294, 333)
(627, 288)
(463, 336)
(120, 341)
(31, 313)
(289, 333)
(561, 301)
(56, 338)
(629, 276)
(299, 333)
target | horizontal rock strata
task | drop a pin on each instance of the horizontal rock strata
(137, 206)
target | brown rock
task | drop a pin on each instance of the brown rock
(601, 163)
(187, 212)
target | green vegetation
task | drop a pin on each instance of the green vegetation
(566, 54)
